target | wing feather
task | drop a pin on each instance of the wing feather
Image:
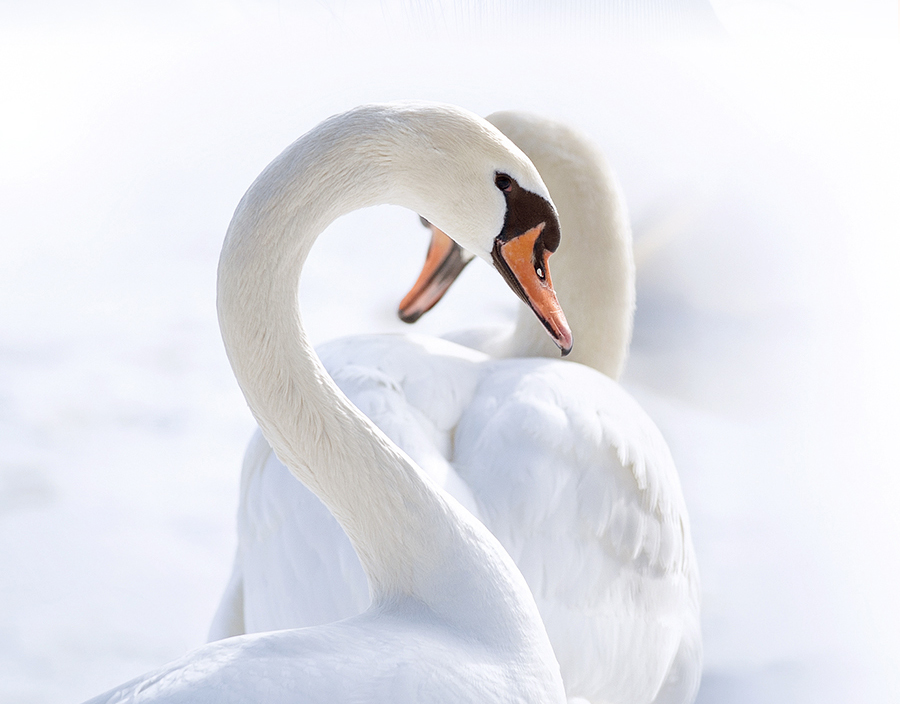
(578, 484)
(294, 565)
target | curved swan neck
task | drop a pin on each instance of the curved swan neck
(593, 269)
(411, 541)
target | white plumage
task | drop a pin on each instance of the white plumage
(451, 618)
(560, 463)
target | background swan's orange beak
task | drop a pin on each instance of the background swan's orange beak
(524, 266)
(443, 263)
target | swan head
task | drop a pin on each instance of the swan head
(513, 256)
(521, 252)
(468, 180)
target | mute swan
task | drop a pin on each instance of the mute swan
(557, 460)
(451, 619)
(593, 272)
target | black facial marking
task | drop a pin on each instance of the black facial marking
(524, 211)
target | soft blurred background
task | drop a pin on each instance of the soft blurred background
(757, 144)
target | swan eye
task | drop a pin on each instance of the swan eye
(539, 270)
(503, 182)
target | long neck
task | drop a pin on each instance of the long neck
(411, 540)
(593, 269)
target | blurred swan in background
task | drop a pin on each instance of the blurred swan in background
(557, 460)
(451, 618)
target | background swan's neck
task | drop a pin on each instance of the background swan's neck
(411, 540)
(593, 269)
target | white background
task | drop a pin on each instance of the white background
(760, 156)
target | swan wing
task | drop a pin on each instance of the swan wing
(229, 617)
(295, 565)
(579, 486)
(288, 538)
(415, 389)
(438, 377)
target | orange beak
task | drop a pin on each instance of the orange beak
(524, 266)
(443, 263)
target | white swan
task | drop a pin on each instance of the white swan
(593, 272)
(559, 462)
(451, 619)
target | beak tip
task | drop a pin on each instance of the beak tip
(408, 317)
(561, 334)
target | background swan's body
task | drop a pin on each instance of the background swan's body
(295, 566)
(452, 619)
(562, 465)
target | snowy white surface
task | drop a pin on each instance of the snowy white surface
(763, 178)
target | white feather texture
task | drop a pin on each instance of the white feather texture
(451, 618)
(561, 464)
